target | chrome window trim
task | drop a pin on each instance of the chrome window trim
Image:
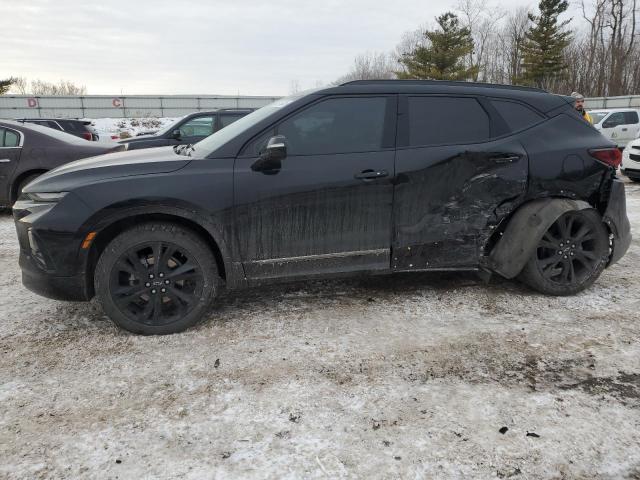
(20, 136)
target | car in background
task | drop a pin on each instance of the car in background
(619, 125)
(357, 179)
(189, 129)
(27, 151)
(631, 160)
(79, 128)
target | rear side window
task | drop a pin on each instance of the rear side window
(9, 138)
(228, 119)
(336, 125)
(631, 118)
(446, 120)
(516, 115)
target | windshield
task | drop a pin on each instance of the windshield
(215, 141)
(598, 116)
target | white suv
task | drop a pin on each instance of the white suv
(619, 125)
(631, 160)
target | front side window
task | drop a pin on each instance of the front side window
(446, 121)
(337, 125)
(614, 120)
(198, 127)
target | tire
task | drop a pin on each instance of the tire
(156, 279)
(561, 268)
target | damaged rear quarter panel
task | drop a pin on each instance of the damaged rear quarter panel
(449, 199)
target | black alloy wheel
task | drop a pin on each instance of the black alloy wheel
(156, 283)
(570, 256)
(156, 278)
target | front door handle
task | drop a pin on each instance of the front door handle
(624, 129)
(505, 158)
(371, 174)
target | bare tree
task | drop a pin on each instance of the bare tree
(64, 87)
(371, 66)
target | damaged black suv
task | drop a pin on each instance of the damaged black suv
(366, 177)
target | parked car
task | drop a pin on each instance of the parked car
(189, 129)
(367, 177)
(631, 160)
(79, 128)
(27, 151)
(619, 125)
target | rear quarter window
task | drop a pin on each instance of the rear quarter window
(516, 115)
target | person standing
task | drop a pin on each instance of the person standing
(579, 106)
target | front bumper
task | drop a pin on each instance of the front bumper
(52, 262)
(615, 216)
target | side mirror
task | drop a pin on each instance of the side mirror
(176, 135)
(271, 158)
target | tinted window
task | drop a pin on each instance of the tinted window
(630, 118)
(228, 119)
(516, 115)
(198, 127)
(446, 120)
(337, 125)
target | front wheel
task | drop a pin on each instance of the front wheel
(156, 278)
(571, 255)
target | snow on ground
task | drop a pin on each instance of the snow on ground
(109, 127)
(408, 376)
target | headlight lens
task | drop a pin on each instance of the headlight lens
(48, 197)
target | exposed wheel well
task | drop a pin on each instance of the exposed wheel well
(109, 233)
(19, 179)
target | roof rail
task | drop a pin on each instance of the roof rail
(445, 83)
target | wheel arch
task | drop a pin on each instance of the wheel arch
(15, 184)
(111, 227)
(524, 230)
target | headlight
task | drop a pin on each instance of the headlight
(46, 197)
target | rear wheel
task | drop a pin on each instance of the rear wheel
(156, 278)
(570, 256)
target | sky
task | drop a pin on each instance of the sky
(246, 47)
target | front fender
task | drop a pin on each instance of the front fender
(525, 230)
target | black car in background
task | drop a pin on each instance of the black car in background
(27, 151)
(367, 177)
(189, 129)
(79, 128)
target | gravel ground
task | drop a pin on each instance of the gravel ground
(417, 376)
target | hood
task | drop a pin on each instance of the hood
(113, 165)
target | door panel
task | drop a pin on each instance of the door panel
(323, 212)
(448, 198)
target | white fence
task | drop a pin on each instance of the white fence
(107, 106)
(104, 106)
(631, 101)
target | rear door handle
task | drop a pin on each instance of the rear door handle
(505, 158)
(624, 129)
(5, 160)
(371, 174)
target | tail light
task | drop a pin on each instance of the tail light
(87, 136)
(610, 156)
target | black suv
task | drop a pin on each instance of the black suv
(367, 177)
(79, 128)
(189, 129)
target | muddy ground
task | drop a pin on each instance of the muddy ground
(416, 376)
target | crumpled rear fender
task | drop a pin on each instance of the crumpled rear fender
(525, 230)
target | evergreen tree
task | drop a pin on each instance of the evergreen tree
(443, 57)
(5, 85)
(544, 45)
